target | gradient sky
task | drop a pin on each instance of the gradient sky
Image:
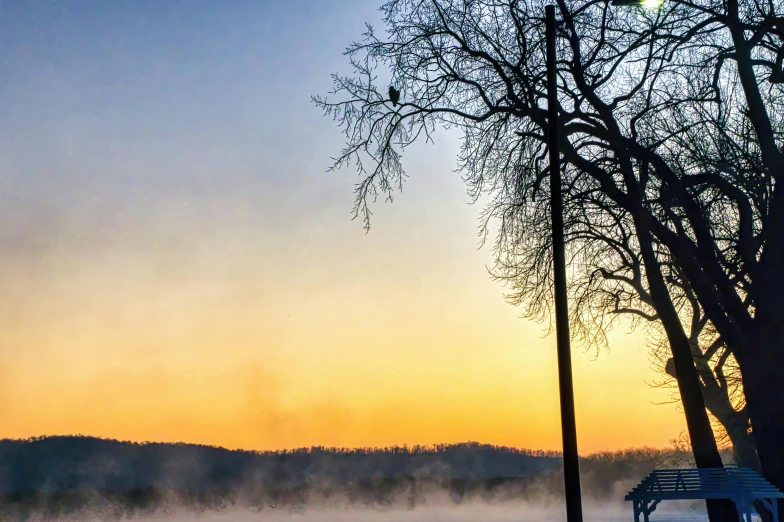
(177, 264)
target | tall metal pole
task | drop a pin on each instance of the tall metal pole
(574, 509)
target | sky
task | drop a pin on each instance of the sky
(177, 264)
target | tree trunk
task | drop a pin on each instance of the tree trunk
(761, 359)
(744, 451)
(735, 423)
(761, 367)
(703, 442)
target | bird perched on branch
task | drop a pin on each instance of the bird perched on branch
(394, 95)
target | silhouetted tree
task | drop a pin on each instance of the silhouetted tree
(672, 130)
(723, 392)
(615, 285)
(616, 271)
(721, 389)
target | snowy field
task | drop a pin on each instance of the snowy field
(477, 513)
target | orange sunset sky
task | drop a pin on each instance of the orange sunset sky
(177, 265)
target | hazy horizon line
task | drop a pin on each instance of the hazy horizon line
(434, 447)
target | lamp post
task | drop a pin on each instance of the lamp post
(574, 510)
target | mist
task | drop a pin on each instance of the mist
(437, 512)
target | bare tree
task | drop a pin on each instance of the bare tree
(672, 123)
(720, 379)
(608, 282)
(723, 393)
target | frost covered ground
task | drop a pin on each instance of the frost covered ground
(476, 513)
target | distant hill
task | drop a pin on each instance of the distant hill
(62, 474)
(64, 463)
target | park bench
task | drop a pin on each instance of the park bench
(742, 486)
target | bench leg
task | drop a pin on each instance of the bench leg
(744, 511)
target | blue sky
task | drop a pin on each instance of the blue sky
(194, 88)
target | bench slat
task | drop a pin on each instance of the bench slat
(701, 496)
(709, 485)
(697, 486)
